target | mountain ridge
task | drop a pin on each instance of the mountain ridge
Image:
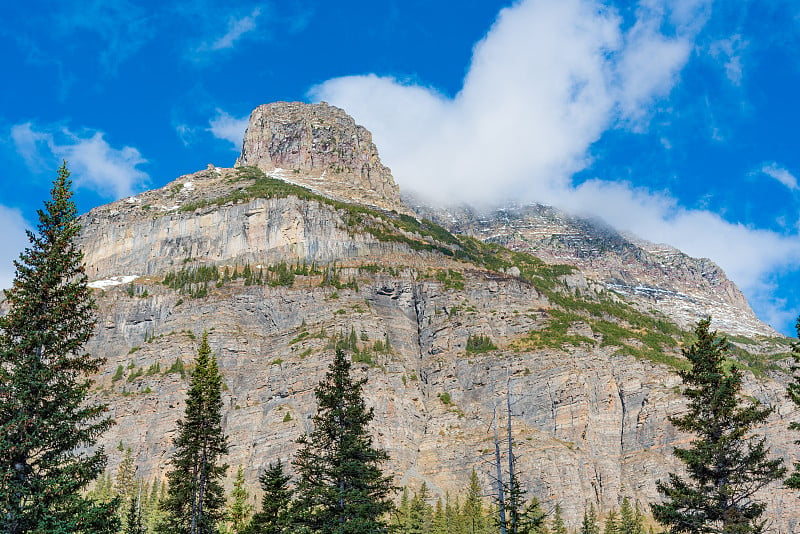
(280, 275)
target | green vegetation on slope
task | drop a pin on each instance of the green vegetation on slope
(617, 323)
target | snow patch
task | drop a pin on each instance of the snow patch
(189, 186)
(113, 281)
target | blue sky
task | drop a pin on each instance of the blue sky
(675, 120)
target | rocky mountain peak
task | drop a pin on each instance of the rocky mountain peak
(321, 147)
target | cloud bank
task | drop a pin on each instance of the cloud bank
(94, 164)
(548, 79)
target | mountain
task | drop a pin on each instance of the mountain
(649, 275)
(306, 245)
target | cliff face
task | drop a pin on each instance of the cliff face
(652, 276)
(590, 407)
(319, 146)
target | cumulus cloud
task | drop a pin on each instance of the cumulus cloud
(782, 175)
(13, 240)
(548, 79)
(94, 163)
(227, 127)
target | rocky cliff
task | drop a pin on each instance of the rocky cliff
(321, 147)
(652, 276)
(279, 274)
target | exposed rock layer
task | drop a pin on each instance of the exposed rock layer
(655, 276)
(590, 422)
(322, 147)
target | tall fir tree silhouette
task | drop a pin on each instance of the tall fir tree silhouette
(725, 465)
(341, 488)
(195, 501)
(48, 431)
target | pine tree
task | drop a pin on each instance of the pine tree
(534, 520)
(195, 502)
(589, 524)
(275, 514)
(239, 509)
(420, 513)
(440, 525)
(630, 518)
(133, 517)
(474, 517)
(724, 465)
(557, 525)
(46, 425)
(401, 519)
(125, 482)
(793, 391)
(612, 523)
(341, 487)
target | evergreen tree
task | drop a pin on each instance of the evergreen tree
(275, 514)
(239, 509)
(557, 525)
(420, 513)
(195, 502)
(151, 513)
(612, 523)
(630, 518)
(724, 465)
(125, 482)
(589, 524)
(46, 425)
(534, 520)
(474, 515)
(341, 487)
(401, 519)
(440, 525)
(793, 391)
(133, 517)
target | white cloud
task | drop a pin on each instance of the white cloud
(13, 240)
(544, 84)
(228, 128)
(549, 78)
(237, 28)
(93, 162)
(729, 51)
(782, 175)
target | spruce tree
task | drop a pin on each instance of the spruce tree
(341, 487)
(589, 524)
(630, 518)
(534, 520)
(275, 514)
(47, 428)
(133, 517)
(725, 466)
(420, 512)
(195, 501)
(557, 525)
(475, 520)
(793, 391)
(239, 509)
(612, 523)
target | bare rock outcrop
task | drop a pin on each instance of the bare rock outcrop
(591, 413)
(655, 276)
(322, 147)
